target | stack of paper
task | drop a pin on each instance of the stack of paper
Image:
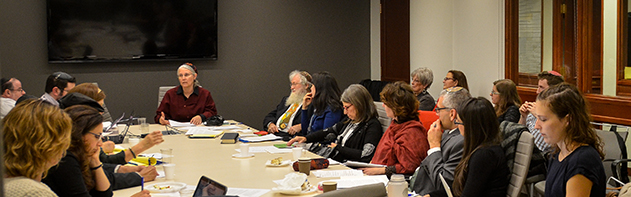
(269, 137)
(203, 131)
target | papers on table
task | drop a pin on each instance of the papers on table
(269, 149)
(362, 165)
(354, 181)
(337, 173)
(246, 192)
(333, 162)
(204, 131)
(174, 123)
(269, 137)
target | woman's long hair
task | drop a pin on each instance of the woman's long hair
(84, 119)
(461, 78)
(327, 93)
(481, 130)
(399, 97)
(508, 95)
(566, 100)
(35, 133)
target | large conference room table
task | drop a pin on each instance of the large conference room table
(207, 156)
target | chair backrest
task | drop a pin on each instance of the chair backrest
(163, 90)
(374, 87)
(427, 118)
(611, 147)
(383, 117)
(372, 190)
(523, 153)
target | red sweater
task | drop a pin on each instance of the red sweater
(177, 107)
(403, 146)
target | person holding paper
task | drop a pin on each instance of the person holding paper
(188, 102)
(404, 144)
(286, 117)
(355, 137)
(445, 144)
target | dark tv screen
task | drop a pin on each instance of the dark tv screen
(131, 30)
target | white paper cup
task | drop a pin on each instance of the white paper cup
(245, 149)
(297, 151)
(169, 171)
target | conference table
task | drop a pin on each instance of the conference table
(194, 157)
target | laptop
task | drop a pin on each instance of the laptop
(445, 185)
(209, 187)
(114, 124)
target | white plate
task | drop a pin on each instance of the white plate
(239, 155)
(313, 188)
(174, 187)
(283, 163)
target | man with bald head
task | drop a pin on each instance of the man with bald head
(11, 92)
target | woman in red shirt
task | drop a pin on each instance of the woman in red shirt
(188, 102)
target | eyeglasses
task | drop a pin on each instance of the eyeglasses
(19, 90)
(295, 84)
(437, 110)
(447, 78)
(346, 107)
(97, 136)
(494, 92)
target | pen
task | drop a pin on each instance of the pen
(142, 184)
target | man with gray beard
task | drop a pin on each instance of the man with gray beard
(285, 119)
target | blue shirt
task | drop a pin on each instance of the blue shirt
(585, 161)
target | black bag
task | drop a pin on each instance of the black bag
(215, 120)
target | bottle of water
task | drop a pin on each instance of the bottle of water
(397, 186)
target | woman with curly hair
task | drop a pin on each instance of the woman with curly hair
(32, 146)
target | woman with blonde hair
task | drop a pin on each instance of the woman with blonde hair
(506, 100)
(32, 146)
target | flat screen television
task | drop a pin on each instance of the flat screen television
(131, 30)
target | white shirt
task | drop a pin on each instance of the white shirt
(6, 104)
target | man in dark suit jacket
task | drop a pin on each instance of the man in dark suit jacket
(445, 147)
(285, 119)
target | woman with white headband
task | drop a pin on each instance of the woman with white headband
(188, 102)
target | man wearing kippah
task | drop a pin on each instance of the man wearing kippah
(57, 86)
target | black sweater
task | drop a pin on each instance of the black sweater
(361, 144)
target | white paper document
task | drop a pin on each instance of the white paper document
(337, 173)
(203, 131)
(354, 181)
(245, 192)
(174, 123)
(269, 149)
(270, 137)
(362, 165)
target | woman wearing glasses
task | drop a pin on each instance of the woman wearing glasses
(483, 170)
(404, 144)
(80, 172)
(455, 78)
(355, 137)
(506, 100)
(188, 102)
(32, 146)
(422, 79)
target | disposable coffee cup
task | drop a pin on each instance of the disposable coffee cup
(297, 152)
(169, 171)
(167, 155)
(304, 165)
(328, 186)
(245, 149)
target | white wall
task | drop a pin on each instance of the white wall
(431, 39)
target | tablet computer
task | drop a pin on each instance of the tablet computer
(209, 187)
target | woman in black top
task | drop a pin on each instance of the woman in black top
(354, 138)
(483, 170)
(80, 172)
(506, 100)
(422, 79)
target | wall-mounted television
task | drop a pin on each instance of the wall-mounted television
(131, 30)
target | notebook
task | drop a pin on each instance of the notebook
(446, 186)
(209, 187)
